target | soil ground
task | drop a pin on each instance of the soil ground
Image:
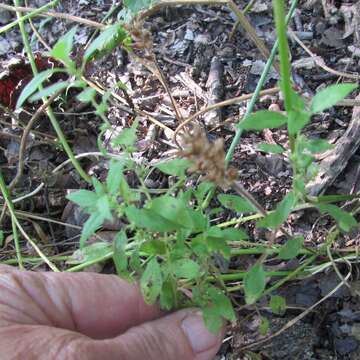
(186, 40)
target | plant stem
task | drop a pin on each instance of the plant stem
(240, 275)
(34, 260)
(17, 244)
(11, 208)
(86, 264)
(279, 15)
(259, 85)
(250, 107)
(49, 111)
(262, 250)
(28, 16)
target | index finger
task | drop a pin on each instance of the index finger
(99, 306)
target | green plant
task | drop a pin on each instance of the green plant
(169, 241)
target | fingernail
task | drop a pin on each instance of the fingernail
(198, 335)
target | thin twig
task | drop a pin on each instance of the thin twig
(321, 63)
(37, 34)
(24, 137)
(58, 15)
(218, 105)
(162, 79)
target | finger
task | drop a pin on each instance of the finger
(99, 306)
(181, 335)
(7, 268)
(178, 336)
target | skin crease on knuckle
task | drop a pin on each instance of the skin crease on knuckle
(37, 343)
(27, 298)
(156, 343)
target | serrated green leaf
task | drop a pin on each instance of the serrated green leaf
(87, 95)
(108, 40)
(281, 213)
(277, 305)
(174, 167)
(63, 47)
(202, 190)
(271, 148)
(335, 198)
(114, 176)
(263, 119)
(84, 198)
(236, 203)
(167, 296)
(136, 5)
(173, 209)
(49, 91)
(233, 234)
(213, 321)
(291, 248)
(344, 219)
(254, 283)
(119, 257)
(98, 186)
(200, 222)
(297, 120)
(134, 261)
(186, 269)
(298, 117)
(153, 247)
(330, 96)
(33, 85)
(144, 218)
(264, 326)
(103, 207)
(92, 224)
(216, 241)
(318, 146)
(218, 309)
(89, 253)
(299, 185)
(151, 281)
(127, 137)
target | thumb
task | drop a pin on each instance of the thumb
(178, 336)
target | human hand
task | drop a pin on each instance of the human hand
(92, 316)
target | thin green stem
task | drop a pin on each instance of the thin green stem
(34, 260)
(28, 16)
(86, 264)
(240, 275)
(281, 29)
(238, 133)
(49, 110)
(11, 208)
(262, 250)
(230, 152)
(17, 244)
(249, 6)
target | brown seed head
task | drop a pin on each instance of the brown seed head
(207, 158)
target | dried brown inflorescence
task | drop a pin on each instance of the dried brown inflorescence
(208, 158)
(142, 38)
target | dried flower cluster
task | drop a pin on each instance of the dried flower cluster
(142, 37)
(207, 158)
